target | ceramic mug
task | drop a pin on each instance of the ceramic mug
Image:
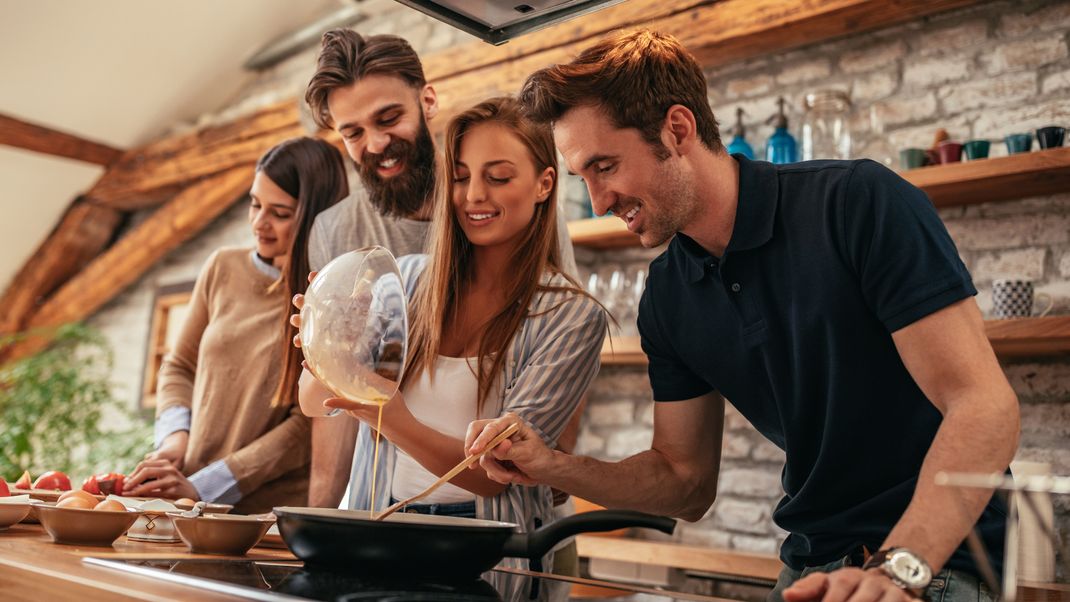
(1051, 136)
(950, 152)
(1019, 143)
(1014, 299)
(912, 158)
(976, 149)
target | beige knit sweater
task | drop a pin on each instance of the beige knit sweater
(225, 367)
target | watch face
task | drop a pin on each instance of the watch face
(909, 569)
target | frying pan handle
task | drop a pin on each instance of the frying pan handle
(540, 541)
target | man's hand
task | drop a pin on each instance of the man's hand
(172, 449)
(523, 458)
(159, 478)
(847, 585)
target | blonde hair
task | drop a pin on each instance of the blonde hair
(450, 269)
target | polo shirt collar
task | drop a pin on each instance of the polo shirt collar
(755, 214)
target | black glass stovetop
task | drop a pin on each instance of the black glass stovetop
(272, 581)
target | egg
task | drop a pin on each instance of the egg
(184, 501)
(76, 501)
(110, 506)
(78, 493)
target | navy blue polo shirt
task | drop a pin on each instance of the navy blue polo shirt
(792, 325)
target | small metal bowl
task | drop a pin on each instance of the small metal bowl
(153, 526)
(156, 525)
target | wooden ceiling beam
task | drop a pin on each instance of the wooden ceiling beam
(132, 255)
(137, 179)
(40, 139)
(84, 231)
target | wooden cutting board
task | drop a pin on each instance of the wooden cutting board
(181, 553)
(45, 495)
(272, 540)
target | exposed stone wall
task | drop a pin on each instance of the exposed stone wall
(987, 71)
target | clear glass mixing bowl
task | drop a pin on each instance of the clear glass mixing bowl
(354, 327)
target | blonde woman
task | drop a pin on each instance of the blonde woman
(495, 325)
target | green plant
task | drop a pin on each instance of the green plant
(57, 411)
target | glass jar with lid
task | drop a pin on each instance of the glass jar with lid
(826, 129)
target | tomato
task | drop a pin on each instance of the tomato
(105, 483)
(54, 480)
(24, 481)
(4, 491)
(90, 485)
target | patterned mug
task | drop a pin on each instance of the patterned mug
(1014, 299)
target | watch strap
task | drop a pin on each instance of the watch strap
(877, 560)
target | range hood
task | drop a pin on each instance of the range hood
(497, 21)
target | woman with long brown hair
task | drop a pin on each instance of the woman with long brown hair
(227, 427)
(495, 325)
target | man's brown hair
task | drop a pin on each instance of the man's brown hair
(346, 57)
(634, 78)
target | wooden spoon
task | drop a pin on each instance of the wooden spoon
(456, 470)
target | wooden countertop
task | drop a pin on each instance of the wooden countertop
(34, 568)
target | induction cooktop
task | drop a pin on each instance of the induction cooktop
(273, 581)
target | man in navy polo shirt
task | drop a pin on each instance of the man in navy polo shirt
(825, 300)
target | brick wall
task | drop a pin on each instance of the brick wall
(987, 71)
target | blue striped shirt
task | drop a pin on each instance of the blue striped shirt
(552, 360)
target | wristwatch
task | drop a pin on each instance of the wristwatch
(905, 568)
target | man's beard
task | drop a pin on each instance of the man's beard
(403, 195)
(674, 209)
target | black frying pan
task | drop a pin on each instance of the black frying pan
(433, 547)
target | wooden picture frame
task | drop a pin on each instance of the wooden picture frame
(168, 313)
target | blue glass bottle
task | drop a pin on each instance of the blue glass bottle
(781, 147)
(739, 142)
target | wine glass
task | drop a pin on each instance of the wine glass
(635, 279)
(614, 289)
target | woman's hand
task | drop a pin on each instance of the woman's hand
(172, 449)
(396, 414)
(159, 478)
(311, 393)
(295, 319)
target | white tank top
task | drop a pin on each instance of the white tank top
(448, 407)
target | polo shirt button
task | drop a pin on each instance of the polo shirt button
(736, 287)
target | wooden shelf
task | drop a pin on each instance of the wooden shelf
(1029, 336)
(663, 553)
(1023, 337)
(601, 233)
(981, 181)
(999, 179)
(623, 351)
